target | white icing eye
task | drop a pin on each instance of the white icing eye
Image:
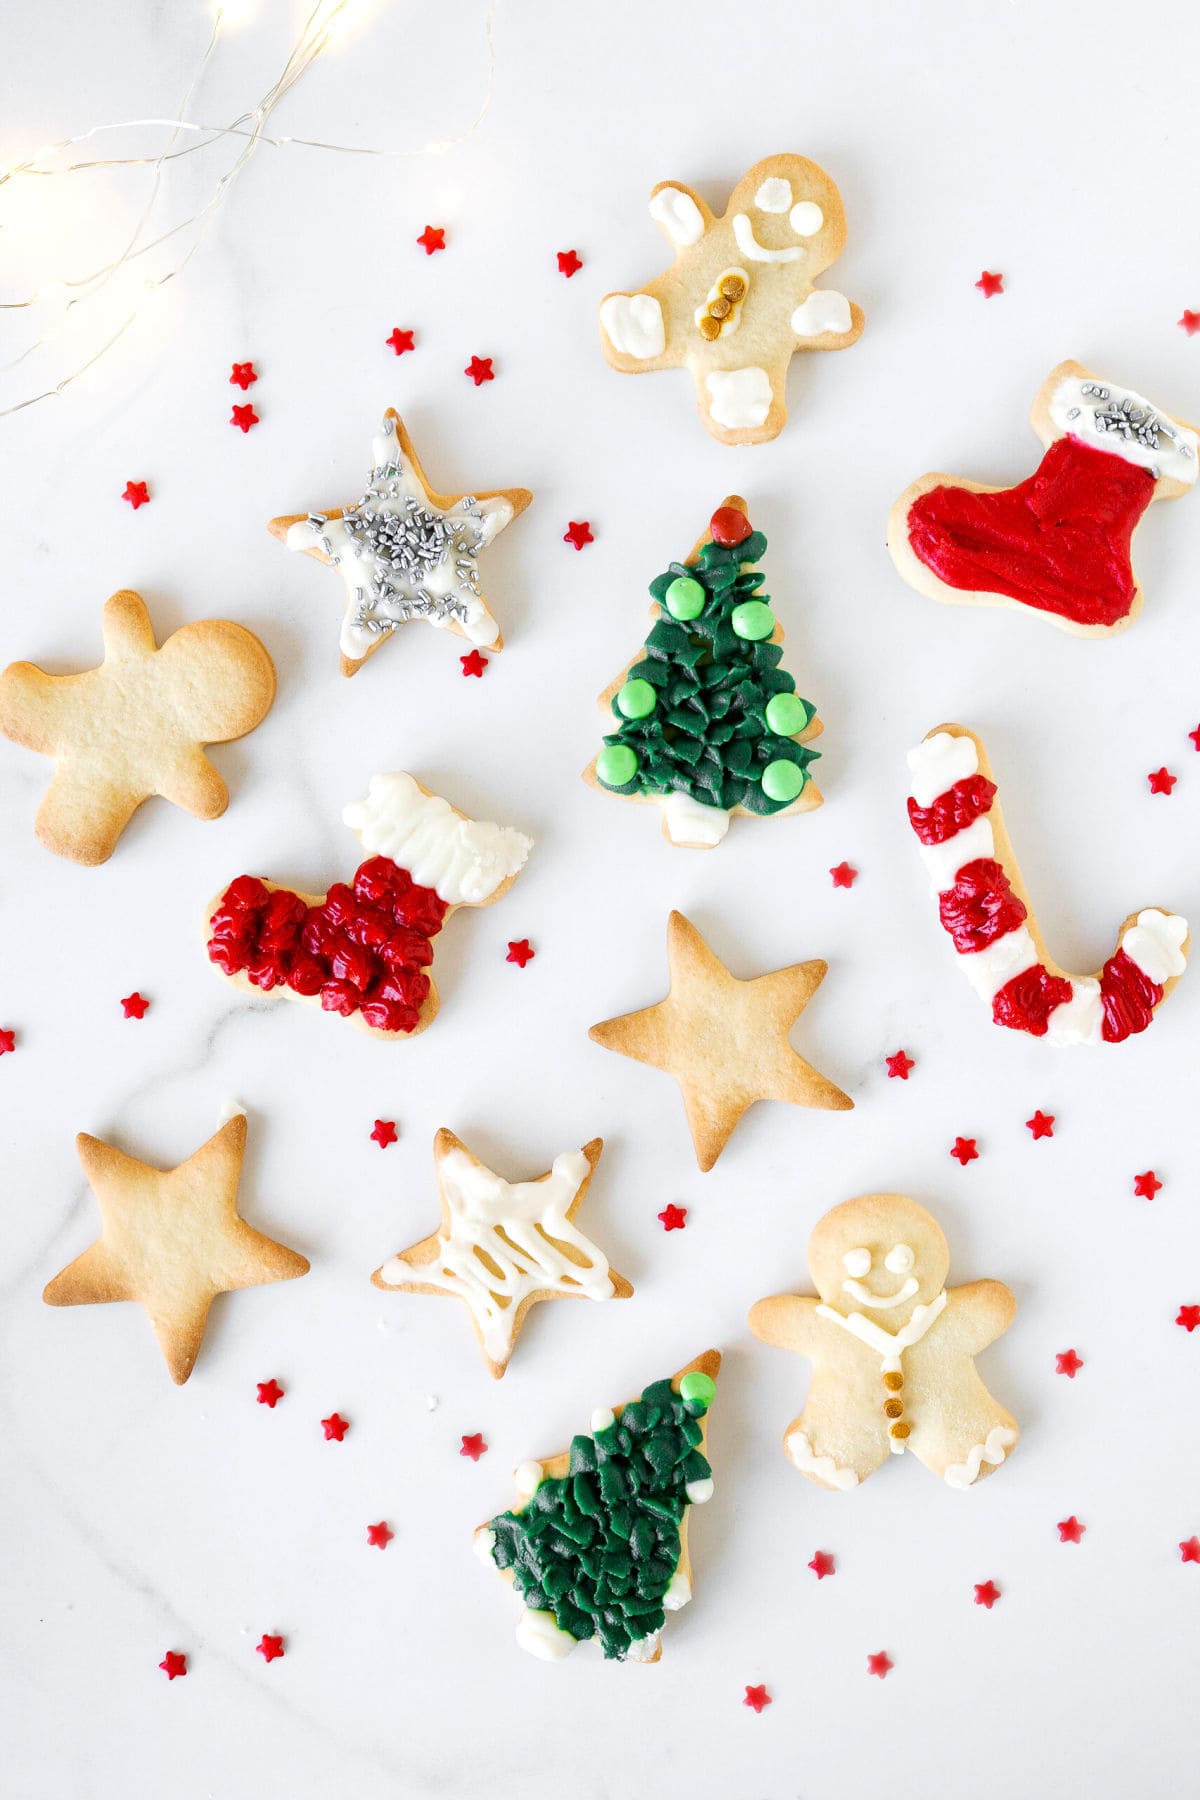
(899, 1259)
(857, 1263)
(806, 218)
(774, 196)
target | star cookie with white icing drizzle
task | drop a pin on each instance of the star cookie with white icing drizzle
(405, 551)
(504, 1245)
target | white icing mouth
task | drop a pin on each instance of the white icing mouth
(749, 245)
(881, 1302)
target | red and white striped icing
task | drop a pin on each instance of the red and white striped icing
(948, 807)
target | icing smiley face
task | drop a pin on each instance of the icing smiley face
(772, 199)
(881, 1254)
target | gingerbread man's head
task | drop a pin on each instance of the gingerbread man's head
(787, 210)
(881, 1255)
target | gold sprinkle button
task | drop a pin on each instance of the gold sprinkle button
(733, 287)
(892, 1409)
(709, 327)
(720, 308)
(894, 1380)
(901, 1429)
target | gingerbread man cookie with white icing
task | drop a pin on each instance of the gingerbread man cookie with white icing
(893, 1350)
(739, 301)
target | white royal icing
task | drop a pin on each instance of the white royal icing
(403, 557)
(748, 244)
(483, 1543)
(824, 310)
(634, 323)
(539, 1633)
(989, 969)
(527, 1478)
(690, 821)
(679, 1592)
(1122, 422)
(806, 218)
(943, 861)
(498, 1248)
(739, 399)
(699, 1491)
(602, 1418)
(938, 762)
(774, 196)
(823, 1467)
(1079, 1020)
(643, 1650)
(678, 215)
(1155, 944)
(889, 1346)
(999, 1440)
(463, 860)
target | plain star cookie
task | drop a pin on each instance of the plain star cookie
(893, 1350)
(1057, 543)
(405, 551)
(171, 1239)
(725, 1041)
(705, 722)
(597, 1545)
(504, 1245)
(739, 300)
(986, 912)
(362, 949)
(136, 725)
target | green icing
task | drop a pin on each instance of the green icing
(709, 735)
(598, 1546)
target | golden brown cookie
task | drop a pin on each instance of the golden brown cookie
(725, 1041)
(136, 725)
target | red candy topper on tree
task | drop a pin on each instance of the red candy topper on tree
(363, 948)
(1059, 542)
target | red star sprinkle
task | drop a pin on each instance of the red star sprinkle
(135, 1007)
(1146, 1185)
(1070, 1531)
(269, 1393)
(1190, 322)
(843, 875)
(8, 1041)
(673, 1218)
(473, 663)
(432, 238)
(480, 370)
(879, 1664)
(1189, 1550)
(473, 1446)
(1188, 1317)
(899, 1066)
(757, 1697)
(380, 1535)
(1041, 1125)
(989, 284)
(569, 263)
(1161, 781)
(243, 417)
(269, 1647)
(335, 1428)
(579, 533)
(137, 493)
(964, 1151)
(520, 951)
(1066, 1362)
(401, 341)
(173, 1663)
(822, 1564)
(384, 1133)
(1195, 737)
(986, 1594)
(243, 376)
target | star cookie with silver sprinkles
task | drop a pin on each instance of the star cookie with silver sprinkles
(406, 551)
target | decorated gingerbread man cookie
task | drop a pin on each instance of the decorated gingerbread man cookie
(739, 300)
(893, 1350)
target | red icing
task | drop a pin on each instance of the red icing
(578, 533)
(757, 1697)
(1146, 1185)
(400, 341)
(1067, 1362)
(175, 1663)
(269, 1647)
(480, 370)
(432, 238)
(1161, 781)
(473, 663)
(1070, 1531)
(1190, 322)
(963, 1151)
(8, 1041)
(1189, 1550)
(380, 1535)
(673, 1218)
(269, 1393)
(384, 1133)
(844, 875)
(729, 526)
(952, 811)
(473, 1445)
(569, 263)
(137, 493)
(134, 1006)
(986, 1594)
(1189, 1318)
(822, 1564)
(990, 284)
(1026, 1002)
(362, 949)
(1041, 1124)
(335, 1428)
(243, 417)
(520, 951)
(879, 1664)
(1058, 542)
(980, 907)
(1128, 996)
(899, 1066)
(243, 376)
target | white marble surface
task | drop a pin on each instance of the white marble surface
(136, 1517)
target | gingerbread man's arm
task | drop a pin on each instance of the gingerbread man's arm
(826, 320)
(978, 1314)
(789, 1321)
(634, 327)
(34, 705)
(126, 628)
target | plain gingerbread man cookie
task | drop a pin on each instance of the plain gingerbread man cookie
(739, 300)
(893, 1350)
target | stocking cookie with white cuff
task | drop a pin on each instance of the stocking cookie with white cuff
(739, 300)
(893, 1350)
(1057, 543)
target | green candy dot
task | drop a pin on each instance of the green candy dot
(685, 598)
(786, 714)
(753, 619)
(636, 699)
(616, 765)
(782, 780)
(696, 1385)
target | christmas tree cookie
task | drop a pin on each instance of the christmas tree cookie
(596, 1546)
(704, 721)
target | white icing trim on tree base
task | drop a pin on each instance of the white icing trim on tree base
(539, 1633)
(999, 1441)
(822, 1467)
(644, 1650)
(691, 823)
(463, 860)
(679, 1591)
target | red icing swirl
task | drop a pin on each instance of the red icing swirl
(952, 811)
(1026, 1002)
(1129, 998)
(363, 949)
(980, 907)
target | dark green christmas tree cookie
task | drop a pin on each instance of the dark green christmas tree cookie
(597, 1545)
(705, 721)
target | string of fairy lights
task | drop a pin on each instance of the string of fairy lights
(73, 300)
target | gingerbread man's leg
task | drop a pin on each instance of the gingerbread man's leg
(743, 405)
(964, 1433)
(84, 811)
(836, 1442)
